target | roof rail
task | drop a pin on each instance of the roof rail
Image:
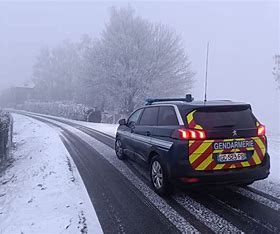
(188, 98)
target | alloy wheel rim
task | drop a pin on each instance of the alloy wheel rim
(157, 174)
(118, 148)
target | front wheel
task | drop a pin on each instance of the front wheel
(159, 177)
(119, 150)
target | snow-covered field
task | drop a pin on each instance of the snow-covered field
(41, 191)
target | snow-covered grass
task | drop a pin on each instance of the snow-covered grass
(41, 191)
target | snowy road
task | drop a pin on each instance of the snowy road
(124, 201)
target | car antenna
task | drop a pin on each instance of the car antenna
(206, 74)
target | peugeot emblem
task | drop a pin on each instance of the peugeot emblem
(234, 133)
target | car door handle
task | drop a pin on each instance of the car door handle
(148, 133)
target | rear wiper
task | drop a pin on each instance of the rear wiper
(224, 126)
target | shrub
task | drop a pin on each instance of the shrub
(67, 110)
(6, 136)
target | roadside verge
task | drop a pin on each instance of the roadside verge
(41, 191)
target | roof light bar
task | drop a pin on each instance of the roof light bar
(188, 98)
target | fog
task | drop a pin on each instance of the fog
(243, 36)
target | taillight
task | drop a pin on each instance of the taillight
(261, 130)
(189, 134)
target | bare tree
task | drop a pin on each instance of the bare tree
(135, 59)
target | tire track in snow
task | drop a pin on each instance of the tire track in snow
(265, 218)
(261, 199)
(269, 187)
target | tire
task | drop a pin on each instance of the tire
(119, 150)
(159, 177)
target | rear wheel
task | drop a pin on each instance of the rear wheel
(159, 177)
(119, 150)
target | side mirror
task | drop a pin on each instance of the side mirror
(122, 122)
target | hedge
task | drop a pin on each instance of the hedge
(67, 110)
(70, 110)
(6, 136)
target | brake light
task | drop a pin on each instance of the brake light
(191, 134)
(261, 130)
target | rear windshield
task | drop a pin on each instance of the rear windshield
(225, 119)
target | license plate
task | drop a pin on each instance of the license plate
(231, 157)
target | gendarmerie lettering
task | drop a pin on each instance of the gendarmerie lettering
(233, 144)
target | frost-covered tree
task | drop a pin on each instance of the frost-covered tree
(135, 59)
(90, 95)
(276, 70)
(56, 72)
(42, 75)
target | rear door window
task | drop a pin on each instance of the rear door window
(239, 119)
(167, 116)
(149, 116)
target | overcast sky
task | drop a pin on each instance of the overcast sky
(244, 37)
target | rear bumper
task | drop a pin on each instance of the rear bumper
(229, 176)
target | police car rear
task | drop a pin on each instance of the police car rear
(225, 144)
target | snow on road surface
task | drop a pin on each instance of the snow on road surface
(41, 191)
(109, 129)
